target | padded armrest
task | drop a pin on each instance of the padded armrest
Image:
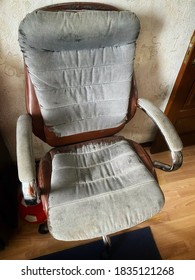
(25, 160)
(168, 131)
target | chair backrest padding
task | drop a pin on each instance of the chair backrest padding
(81, 66)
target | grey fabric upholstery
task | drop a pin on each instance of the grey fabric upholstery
(98, 189)
(82, 76)
(166, 127)
(25, 155)
(76, 30)
(26, 159)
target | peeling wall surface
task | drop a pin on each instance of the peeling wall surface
(166, 29)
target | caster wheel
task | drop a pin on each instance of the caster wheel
(43, 228)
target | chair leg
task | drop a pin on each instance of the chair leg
(106, 254)
(43, 228)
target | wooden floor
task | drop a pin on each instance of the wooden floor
(173, 228)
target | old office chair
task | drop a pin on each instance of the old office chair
(79, 93)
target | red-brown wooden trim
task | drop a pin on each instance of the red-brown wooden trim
(71, 6)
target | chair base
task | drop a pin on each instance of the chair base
(135, 245)
(43, 228)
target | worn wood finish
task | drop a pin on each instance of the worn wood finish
(173, 228)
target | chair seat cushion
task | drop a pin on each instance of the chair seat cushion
(98, 188)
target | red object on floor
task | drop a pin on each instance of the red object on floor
(31, 214)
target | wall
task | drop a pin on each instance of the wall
(166, 28)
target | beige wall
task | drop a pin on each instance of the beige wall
(166, 28)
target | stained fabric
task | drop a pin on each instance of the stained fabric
(82, 76)
(98, 189)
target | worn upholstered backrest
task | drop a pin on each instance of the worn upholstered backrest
(81, 66)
